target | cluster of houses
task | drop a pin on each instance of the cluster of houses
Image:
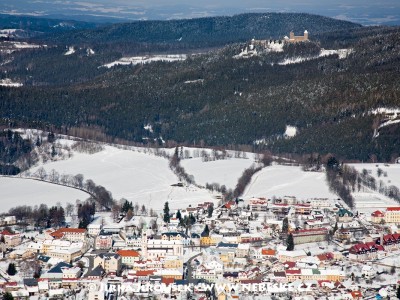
(245, 243)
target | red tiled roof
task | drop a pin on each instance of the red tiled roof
(145, 272)
(289, 264)
(395, 208)
(60, 232)
(377, 213)
(293, 271)
(126, 253)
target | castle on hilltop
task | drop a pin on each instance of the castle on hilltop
(295, 39)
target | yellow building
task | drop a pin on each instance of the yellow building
(173, 263)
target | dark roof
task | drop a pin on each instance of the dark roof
(175, 234)
(30, 281)
(43, 258)
(96, 272)
(58, 267)
(226, 245)
(108, 255)
(195, 236)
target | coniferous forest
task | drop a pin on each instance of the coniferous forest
(213, 97)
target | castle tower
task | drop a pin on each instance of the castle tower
(306, 35)
(291, 35)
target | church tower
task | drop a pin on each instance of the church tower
(144, 241)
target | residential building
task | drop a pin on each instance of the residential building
(128, 257)
(111, 262)
(309, 235)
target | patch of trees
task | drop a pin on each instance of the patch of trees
(40, 216)
(244, 180)
(98, 192)
(179, 171)
(337, 182)
(12, 148)
(86, 212)
(87, 147)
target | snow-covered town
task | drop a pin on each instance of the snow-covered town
(308, 245)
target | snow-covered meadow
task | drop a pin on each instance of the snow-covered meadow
(281, 181)
(224, 172)
(368, 201)
(133, 175)
(18, 191)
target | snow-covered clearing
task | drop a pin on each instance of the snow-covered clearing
(225, 172)
(390, 172)
(24, 45)
(342, 53)
(19, 191)
(282, 181)
(138, 177)
(10, 83)
(368, 201)
(71, 50)
(290, 131)
(146, 59)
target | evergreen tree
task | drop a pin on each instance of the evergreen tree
(53, 151)
(8, 296)
(210, 210)
(179, 215)
(290, 243)
(166, 213)
(285, 225)
(11, 270)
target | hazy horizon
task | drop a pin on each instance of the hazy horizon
(364, 12)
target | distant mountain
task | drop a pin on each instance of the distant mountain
(33, 26)
(205, 32)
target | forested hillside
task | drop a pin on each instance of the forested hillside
(203, 32)
(34, 25)
(218, 97)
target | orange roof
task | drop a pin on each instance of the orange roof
(145, 272)
(167, 281)
(268, 252)
(356, 295)
(128, 253)
(60, 232)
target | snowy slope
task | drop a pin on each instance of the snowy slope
(18, 191)
(369, 201)
(138, 177)
(288, 181)
(391, 170)
(225, 171)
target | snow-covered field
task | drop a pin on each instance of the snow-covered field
(370, 201)
(145, 59)
(280, 180)
(138, 177)
(342, 53)
(225, 171)
(390, 175)
(10, 83)
(18, 191)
